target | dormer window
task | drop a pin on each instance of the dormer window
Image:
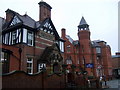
(68, 48)
(98, 50)
(30, 38)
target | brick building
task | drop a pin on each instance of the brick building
(29, 45)
(84, 54)
(116, 64)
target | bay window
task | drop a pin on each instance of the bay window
(14, 35)
(30, 38)
(61, 45)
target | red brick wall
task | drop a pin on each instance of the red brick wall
(14, 57)
(20, 79)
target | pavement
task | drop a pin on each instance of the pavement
(112, 85)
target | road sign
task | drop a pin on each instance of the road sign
(89, 65)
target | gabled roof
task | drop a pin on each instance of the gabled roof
(83, 21)
(52, 25)
(25, 20)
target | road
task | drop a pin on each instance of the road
(113, 84)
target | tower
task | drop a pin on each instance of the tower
(85, 44)
(44, 10)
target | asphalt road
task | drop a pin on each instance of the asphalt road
(113, 84)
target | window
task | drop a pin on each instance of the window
(30, 66)
(30, 38)
(78, 62)
(6, 38)
(69, 60)
(5, 62)
(41, 66)
(98, 50)
(14, 35)
(61, 45)
(3, 38)
(83, 60)
(68, 48)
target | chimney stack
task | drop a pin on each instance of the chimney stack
(63, 32)
(44, 11)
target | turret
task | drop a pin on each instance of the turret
(83, 30)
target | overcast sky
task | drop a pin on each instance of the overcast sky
(101, 15)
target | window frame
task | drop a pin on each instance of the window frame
(98, 50)
(61, 45)
(14, 38)
(31, 38)
(5, 62)
(30, 61)
(40, 66)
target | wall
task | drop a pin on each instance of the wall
(20, 79)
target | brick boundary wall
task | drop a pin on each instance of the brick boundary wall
(20, 79)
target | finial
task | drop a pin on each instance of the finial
(26, 13)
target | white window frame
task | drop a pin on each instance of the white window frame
(68, 61)
(30, 37)
(40, 66)
(61, 45)
(30, 61)
(98, 50)
(24, 35)
(10, 38)
(14, 38)
(6, 38)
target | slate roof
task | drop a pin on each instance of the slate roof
(27, 21)
(69, 38)
(83, 21)
(76, 42)
(115, 56)
(95, 43)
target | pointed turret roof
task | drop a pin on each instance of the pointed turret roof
(82, 22)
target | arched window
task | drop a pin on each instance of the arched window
(69, 60)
